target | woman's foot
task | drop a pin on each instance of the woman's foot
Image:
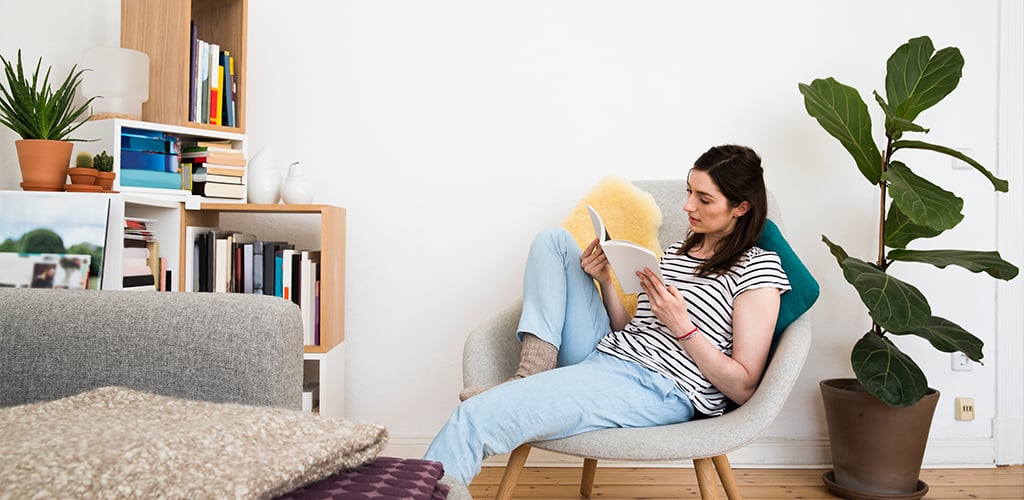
(535, 356)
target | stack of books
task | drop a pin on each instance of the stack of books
(141, 265)
(217, 169)
(150, 159)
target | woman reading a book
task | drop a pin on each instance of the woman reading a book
(698, 338)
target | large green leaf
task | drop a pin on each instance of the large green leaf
(972, 260)
(948, 336)
(900, 230)
(843, 114)
(999, 184)
(917, 77)
(922, 201)
(892, 304)
(886, 372)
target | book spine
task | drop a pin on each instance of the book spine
(257, 267)
(192, 69)
(204, 83)
(247, 267)
(279, 273)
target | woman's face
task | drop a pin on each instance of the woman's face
(710, 212)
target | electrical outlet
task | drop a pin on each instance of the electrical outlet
(961, 363)
(964, 408)
(959, 164)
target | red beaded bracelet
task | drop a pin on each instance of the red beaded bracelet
(684, 338)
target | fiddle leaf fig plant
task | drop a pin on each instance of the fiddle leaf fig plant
(912, 208)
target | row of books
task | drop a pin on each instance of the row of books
(225, 261)
(213, 84)
(142, 268)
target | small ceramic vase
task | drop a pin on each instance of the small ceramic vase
(264, 178)
(298, 189)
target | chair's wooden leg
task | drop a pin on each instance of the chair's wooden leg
(706, 480)
(587, 479)
(513, 468)
(732, 490)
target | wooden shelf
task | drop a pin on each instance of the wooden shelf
(161, 29)
(332, 248)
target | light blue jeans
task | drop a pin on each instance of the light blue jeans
(588, 391)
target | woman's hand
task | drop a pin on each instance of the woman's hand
(595, 263)
(667, 304)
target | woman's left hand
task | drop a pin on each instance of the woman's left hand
(667, 304)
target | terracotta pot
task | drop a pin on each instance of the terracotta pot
(82, 175)
(877, 450)
(105, 180)
(44, 164)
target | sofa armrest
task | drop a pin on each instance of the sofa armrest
(216, 347)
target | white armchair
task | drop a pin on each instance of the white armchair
(491, 355)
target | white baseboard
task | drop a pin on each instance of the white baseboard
(1009, 442)
(762, 453)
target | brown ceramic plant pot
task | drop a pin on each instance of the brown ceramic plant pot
(105, 180)
(44, 164)
(877, 450)
(82, 175)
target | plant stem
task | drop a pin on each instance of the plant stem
(881, 206)
(882, 185)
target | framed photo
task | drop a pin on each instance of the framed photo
(54, 232)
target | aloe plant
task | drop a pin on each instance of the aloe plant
(33, 110)
(911, 208)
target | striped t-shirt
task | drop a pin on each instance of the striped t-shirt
(648, 342)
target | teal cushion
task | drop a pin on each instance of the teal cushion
(805, 290)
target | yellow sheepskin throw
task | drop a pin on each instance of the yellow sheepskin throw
(628, 212)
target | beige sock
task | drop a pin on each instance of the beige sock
(535, 356)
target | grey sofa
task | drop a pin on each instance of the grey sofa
(211, 347)
(217, 347)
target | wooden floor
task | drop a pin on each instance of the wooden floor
(755, 484)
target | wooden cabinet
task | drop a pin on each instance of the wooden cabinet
(257, 219)
(162, 29)
(324, 363)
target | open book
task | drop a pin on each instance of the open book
(625, 257)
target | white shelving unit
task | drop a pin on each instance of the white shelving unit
(172, 209)
(107, 137)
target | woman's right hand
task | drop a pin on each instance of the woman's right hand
(595, 263)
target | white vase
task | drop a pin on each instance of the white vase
(264, 178)
(297, 187)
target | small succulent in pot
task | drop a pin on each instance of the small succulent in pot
(103, 162)
(83, 160)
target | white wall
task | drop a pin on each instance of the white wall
(453, 130)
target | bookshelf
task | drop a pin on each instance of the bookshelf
(106, 135)
(324, 363)
(257, 220)
(161, 29)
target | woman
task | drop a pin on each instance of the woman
(698, 338)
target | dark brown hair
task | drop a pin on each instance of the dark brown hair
(736, 171)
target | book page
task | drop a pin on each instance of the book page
(626, 259)
(599, 230)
